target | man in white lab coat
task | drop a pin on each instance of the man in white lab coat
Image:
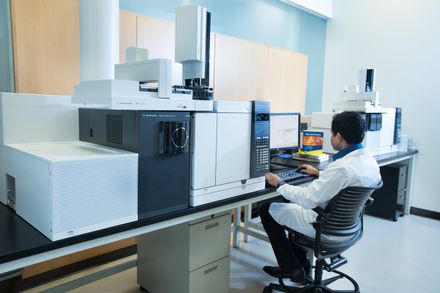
(351, 166)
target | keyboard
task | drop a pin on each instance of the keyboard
(290, 174)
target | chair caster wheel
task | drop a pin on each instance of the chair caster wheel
(267, 289)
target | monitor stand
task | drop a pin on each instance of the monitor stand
(275, 167)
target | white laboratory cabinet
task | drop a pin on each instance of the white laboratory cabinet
(64, 189)
(187, 258)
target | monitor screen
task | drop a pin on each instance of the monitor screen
(284, 131)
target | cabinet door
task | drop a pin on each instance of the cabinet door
(46, 41)
(46, 46)
(402, 177)
(240, 71)
(213, 278)
(203, 149)
(213, 233)
(287, 80)
(233, 147)
(247, 71)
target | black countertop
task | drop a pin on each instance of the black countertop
(394, 155)
(380, 159)
(19, 239)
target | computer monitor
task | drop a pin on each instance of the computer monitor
(284, 132)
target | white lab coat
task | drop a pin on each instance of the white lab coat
(357, 168)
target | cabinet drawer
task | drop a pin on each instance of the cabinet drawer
(209, 241)
(401, 197)
(402, 178)
(213, 278)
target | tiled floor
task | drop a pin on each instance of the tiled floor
(398, 256)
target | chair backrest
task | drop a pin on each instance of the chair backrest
(342, 214)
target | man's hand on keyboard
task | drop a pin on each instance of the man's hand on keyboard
(272, 179)
(305, 168)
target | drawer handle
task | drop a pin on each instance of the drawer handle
(210, 226)
(211, 270)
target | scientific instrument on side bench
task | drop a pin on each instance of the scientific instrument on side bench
(383, 125)
(362, 97)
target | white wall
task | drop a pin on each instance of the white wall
(401, 39)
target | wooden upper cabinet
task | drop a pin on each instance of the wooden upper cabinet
(245, 71)
(47, 56)
(287, 80)
(46, 45)
(46, 41)
(240, 71)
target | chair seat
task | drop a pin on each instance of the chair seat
(328, 248)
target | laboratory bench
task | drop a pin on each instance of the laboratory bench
(21, 245)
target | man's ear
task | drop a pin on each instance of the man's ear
(338, 136)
